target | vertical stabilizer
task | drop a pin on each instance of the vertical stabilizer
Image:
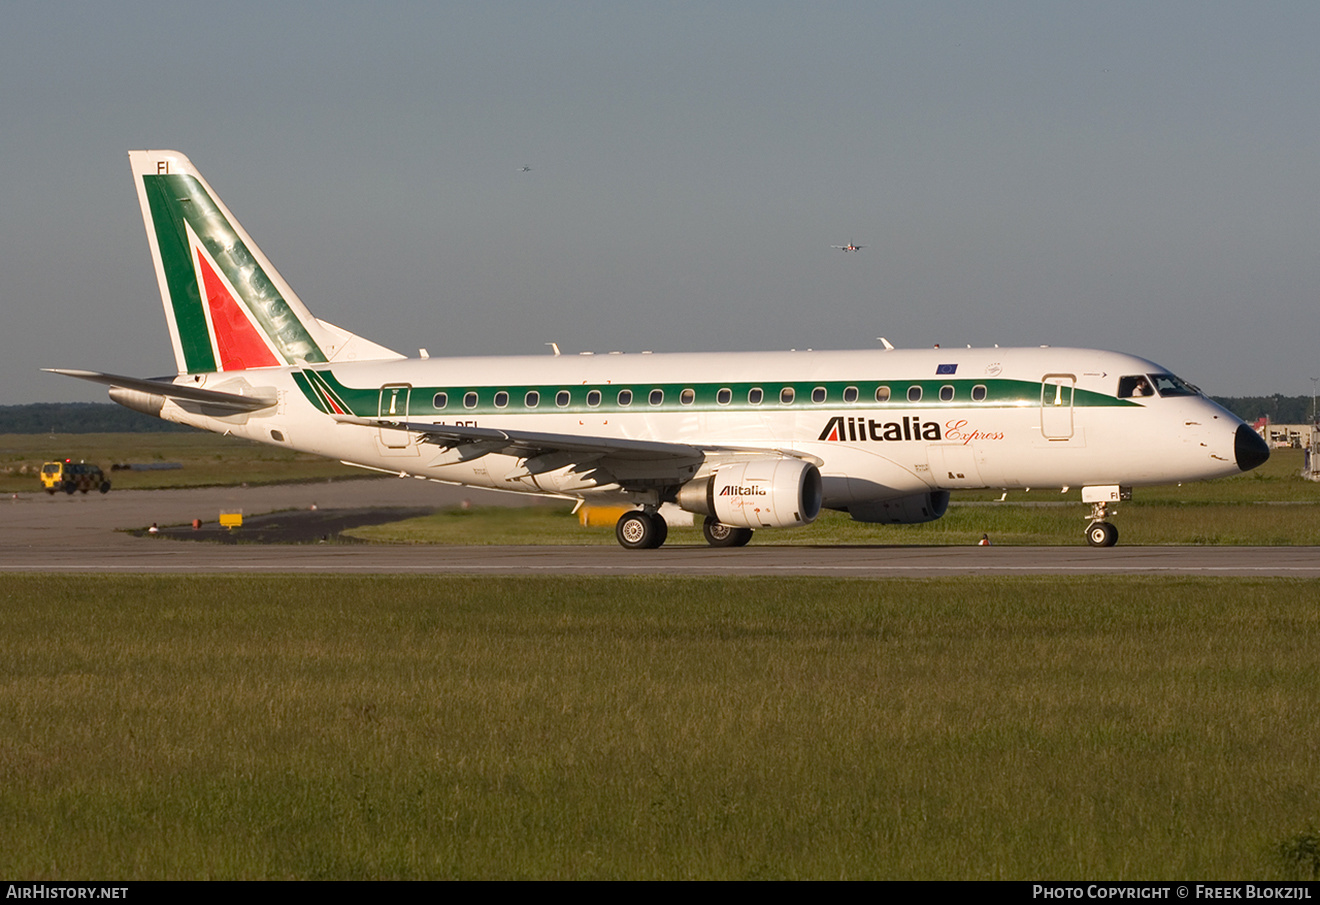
(227, 306)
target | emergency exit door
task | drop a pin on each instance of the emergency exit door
(394, 407)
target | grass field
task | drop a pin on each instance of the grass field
(207, 460)
(364, 727)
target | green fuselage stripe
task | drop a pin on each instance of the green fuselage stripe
(705, 397)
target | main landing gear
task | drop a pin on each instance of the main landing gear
(718, 535)
(1101, 533)
(643, 529)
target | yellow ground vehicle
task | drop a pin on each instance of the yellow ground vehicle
(70, 476)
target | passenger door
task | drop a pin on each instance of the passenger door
(1056, 406)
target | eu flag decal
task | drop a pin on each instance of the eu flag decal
(946, 369)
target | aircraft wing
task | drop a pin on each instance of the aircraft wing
(531, 442)
(630, 463)
(237, 402)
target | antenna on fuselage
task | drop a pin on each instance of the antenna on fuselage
(887, 344)
(554, 347)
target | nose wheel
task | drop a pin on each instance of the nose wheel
(1101, 533)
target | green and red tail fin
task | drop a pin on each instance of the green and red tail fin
(227, 306)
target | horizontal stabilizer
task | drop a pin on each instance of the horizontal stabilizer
(234, 401)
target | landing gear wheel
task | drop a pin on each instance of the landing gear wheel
(718, 535)
(1101, 534)
(641, 530)
(661, 529)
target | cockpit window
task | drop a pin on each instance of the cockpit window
(1137, 385)
(1134, 385)
(1168, 385)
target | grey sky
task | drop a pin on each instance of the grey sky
(1134, 176)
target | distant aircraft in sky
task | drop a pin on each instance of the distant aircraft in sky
(848, 247)
(524, 169)
(748, 440)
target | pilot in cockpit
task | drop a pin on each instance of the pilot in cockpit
(1136, 385)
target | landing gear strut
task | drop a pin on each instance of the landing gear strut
(1100, 533)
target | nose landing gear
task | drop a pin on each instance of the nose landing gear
(1100, 533)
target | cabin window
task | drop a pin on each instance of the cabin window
(687, 397)
(501, 399)
(656, 397)
(978, 393)
(625, 397)
(786, 396)
(441, 400)
(562, 398)
(532, 399)
(882, 394)
(818, 395)
(914, 393)
(593, 398)
(850, 395)
(946, 393)
(469, 400)
(724, 396)
(755, 395)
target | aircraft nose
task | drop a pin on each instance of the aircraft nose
(1249, 448)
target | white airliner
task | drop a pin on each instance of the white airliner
(746, 439)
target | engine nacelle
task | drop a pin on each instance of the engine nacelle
(906, 510)
(762, 493)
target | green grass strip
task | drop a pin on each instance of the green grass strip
(421, 727)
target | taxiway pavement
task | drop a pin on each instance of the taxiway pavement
(38, 532)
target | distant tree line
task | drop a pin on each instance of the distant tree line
(108, 418)
(80, 418)
(1280, 409)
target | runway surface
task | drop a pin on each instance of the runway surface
(82, 534)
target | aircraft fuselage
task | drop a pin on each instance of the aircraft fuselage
(881, 423)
